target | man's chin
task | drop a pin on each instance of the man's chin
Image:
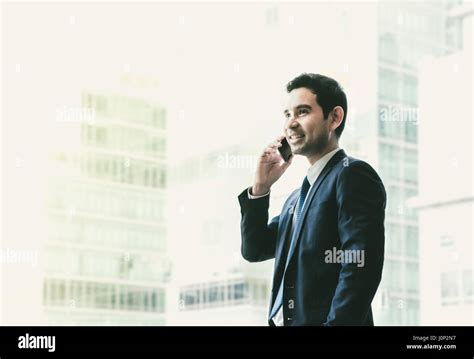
(299, 150)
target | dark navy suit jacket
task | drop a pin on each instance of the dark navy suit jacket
(345, 210)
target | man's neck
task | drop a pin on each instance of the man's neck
(317, 156)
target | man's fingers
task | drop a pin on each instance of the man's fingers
(271, 154)
(272, 148)
(274, 145)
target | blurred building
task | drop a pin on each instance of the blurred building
(407, 31)
(446, 197)
(228, 299)
(106, 251)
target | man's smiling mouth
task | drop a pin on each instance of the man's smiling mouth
(294, 138)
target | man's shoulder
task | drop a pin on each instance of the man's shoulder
(354, 174)
(349, 165)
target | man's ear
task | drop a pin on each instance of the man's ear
(337, 114)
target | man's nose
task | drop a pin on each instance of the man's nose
(292, 122)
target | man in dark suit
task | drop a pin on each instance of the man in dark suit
(328, 241)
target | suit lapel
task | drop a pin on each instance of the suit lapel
(286, 222)
(314, 188)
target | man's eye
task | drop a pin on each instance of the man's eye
(302, 111)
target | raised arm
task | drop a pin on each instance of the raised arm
(259, 236)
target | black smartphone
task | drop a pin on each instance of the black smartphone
(285, 150)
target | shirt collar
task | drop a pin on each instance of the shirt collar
(315, 170)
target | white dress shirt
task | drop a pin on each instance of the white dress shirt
(313, 173)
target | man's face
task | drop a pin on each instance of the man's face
(306, 130)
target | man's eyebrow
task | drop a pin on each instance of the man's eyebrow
(298, 107)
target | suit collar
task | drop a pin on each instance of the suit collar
(315, 170)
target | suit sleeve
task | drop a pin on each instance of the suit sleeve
(361, 200)
(258, 236)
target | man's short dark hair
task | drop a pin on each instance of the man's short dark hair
(329, 94)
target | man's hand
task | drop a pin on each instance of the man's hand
(270, 167)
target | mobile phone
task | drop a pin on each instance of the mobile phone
(285, 150)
